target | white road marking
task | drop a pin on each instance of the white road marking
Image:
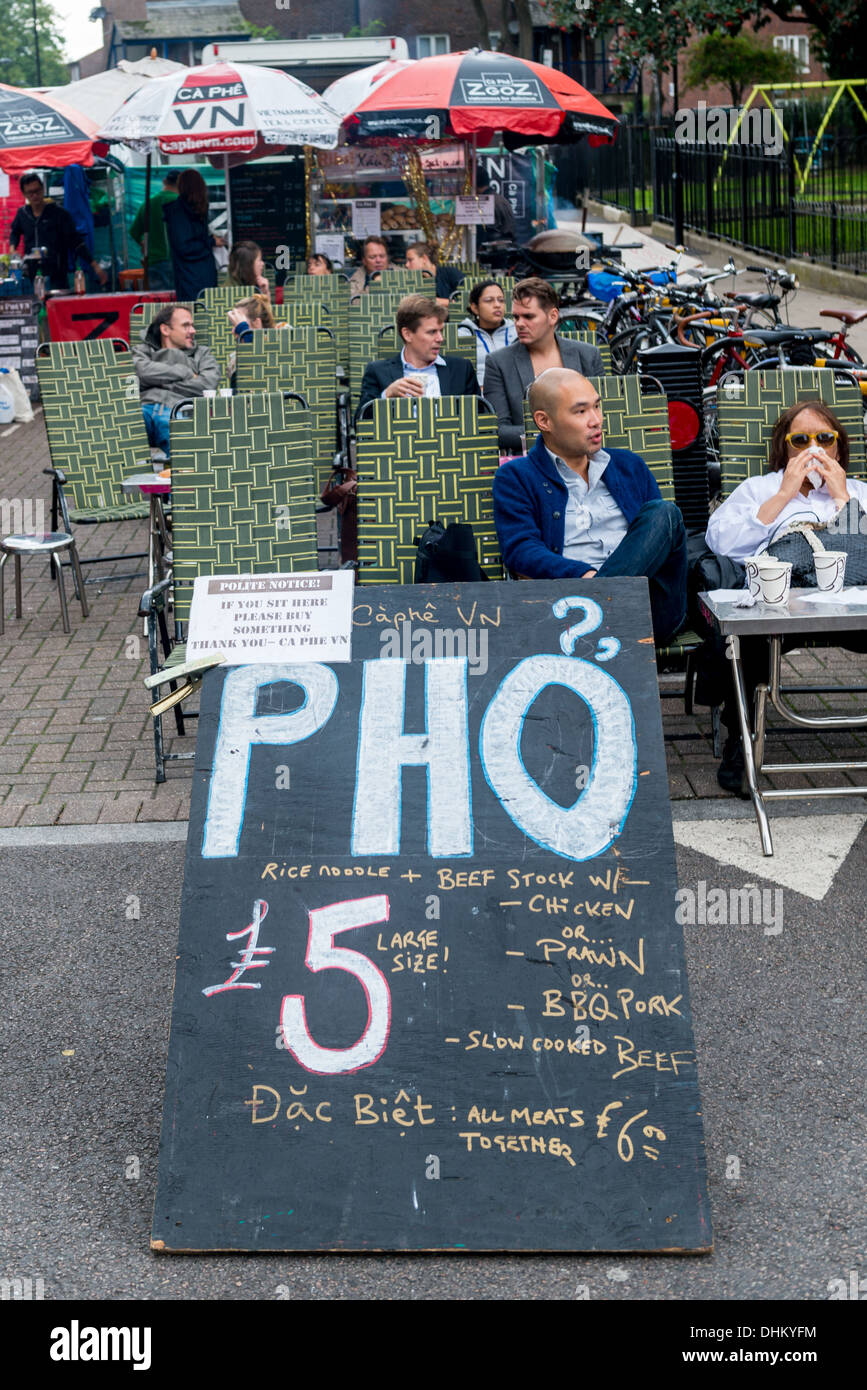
(11, 430)
(808, 850)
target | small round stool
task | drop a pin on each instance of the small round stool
(52, 543)
(131, 279)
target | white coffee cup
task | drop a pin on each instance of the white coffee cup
(830, 570)
(752, 568)
(775, 580)
(209, 395)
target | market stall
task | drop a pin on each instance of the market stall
(401, 194)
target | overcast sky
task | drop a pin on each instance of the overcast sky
(80, 37)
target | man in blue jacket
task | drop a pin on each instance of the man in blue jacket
(573, 509)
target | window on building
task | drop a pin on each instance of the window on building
(796, 44)
(428, 45)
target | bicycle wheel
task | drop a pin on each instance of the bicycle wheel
(624, 347)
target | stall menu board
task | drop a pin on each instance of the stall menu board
(269, 207)
(430, 993)
(19, 339)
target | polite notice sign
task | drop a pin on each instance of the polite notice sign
(272, 617)
(431, 992)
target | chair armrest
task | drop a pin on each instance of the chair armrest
(150, 599)
(57, 474)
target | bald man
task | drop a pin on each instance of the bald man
(573, 509)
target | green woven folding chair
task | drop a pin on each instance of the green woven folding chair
(749, 407)
(566, 330)
(96, 435)
(639, 422)
(460, 299)
(210, 314)
(301, 359)
(242, 503)
(457, 342)
(417, 461)
(368, 316)
(401, 282)
(333, 292)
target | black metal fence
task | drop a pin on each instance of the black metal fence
(619, 174)
(784, 204)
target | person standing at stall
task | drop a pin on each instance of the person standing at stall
(191, 244)
(42, 222)
(160, 276)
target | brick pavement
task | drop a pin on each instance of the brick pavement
(76, 743)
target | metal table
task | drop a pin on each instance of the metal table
(795, 618)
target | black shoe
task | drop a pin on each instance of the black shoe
(731, 772)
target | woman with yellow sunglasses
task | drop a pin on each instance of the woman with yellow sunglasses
(807, 481)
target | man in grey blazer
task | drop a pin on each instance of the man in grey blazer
(509, 372)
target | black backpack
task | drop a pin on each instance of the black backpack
(446, 554)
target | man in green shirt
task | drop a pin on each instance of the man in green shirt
(160, 274)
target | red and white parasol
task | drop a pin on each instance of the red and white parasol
(230, 109)
(37, 129)
(478, 94)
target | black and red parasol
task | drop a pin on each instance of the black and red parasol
(38, 129)
(479, 94)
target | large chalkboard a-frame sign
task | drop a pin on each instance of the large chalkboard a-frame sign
(430, 990)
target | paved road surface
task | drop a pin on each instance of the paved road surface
(780, 1033)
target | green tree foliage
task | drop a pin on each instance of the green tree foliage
(738, 61)
(372, 30)
(18, 45)
(642, 35)
(836, 37)
(260, 31)
(837, 32)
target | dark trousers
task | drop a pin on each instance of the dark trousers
(655, 546)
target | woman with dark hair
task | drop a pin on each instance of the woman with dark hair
(246, 267)
(807, 481)
(190, 243)
(319, 264)
(487, 319)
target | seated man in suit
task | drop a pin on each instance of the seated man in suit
(418, 369)
(571, 508)
(509, 371)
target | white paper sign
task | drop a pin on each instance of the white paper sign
(253, 618)
(4, 185)
(473, 210)
(331, 244)
(365, 217)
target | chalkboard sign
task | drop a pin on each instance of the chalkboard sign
(268, 207)
(19, 339)
(430, 990)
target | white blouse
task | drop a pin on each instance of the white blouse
(735, 530)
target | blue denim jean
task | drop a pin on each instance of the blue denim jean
(156, 418)
(655, 546)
